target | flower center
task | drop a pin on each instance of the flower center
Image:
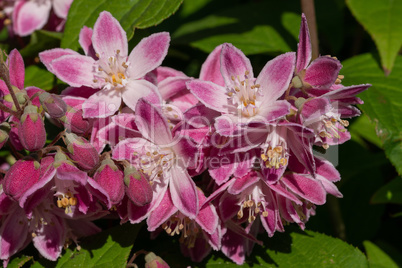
(244, 94)
(66, 201)
(254, 208)
(157, 161)
(275, 157)
(179, 224)
(331, 128)
(112, 71)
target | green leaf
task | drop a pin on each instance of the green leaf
(378, 258)
(382, 101)
(299, 249)
(364, 128)
(389, 193)
(35, 76)
(131, 14)
(382, 19)
(264, 28)
(19, 262)
(109, 248)
(40, 41)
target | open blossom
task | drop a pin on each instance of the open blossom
(116, 73)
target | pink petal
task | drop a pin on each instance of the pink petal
(269, 222)
(172, 86)
(183, 192)
(125, 149)
(69, 172)
(306, 187)
(108, 36)
(148, 54)
(346, 92)
(327, 170)
(16, 68)
(163, 72)
(228, 206)
(211, 95)
(161, 213)
(313, 109)
(85, 41)
(186, 150)
(329, 187)
(75, 70)
(152, 124)
(102, 104)
(234, 63)
(275, 77)
(274, 110)
(137, 214)
(200, 116)
(137, 89)
(242, 183)
(322, 72)
(13, 233)
(207, 217)
(233, 247)
(30, 16)
(228, 125)
(221, 168)
(61, 8)
(211, 68)
(304, 47)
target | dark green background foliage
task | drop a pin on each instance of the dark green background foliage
(362, 229)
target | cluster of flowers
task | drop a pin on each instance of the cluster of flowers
(23, 17)
(214, 160)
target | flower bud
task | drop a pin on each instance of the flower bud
(110, 178)
(31, 129)
(138, 188)
(53, 105)
(82, 151)
(5, 129)
(153, 261)
(74, 121)
(20, 177)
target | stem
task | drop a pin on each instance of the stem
(135, 255)
(8, 110)
(336, 217)
(15, 152)
(308, 9)
(56, 138)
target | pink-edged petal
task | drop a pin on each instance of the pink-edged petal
(108, 36)
(211, 95)
(75, 70)
(329, 187)
(163, 72)
(151, 123)
(228, 125)
(207, 217)
(82, 92)
(234, 63)
(172, 86)
(16, 68)
(102, 104)
(233, 247)
(85, 40)
(306, 187)
(13, 233)
(61, 8)
(281, 190)
(100, 193)
(211, 68)
(269, 222)
(161, 213)
(274, 110)
(322, 72)
(304, 46)
(228, 206)
(69, 172)
(50, 239)
(275, 77)
(200, 116)
(30, 16)
(137, 214)
(327, 170)
(198, 251)
(242, 183)
(125, 149)
(346, 92)
(148, 54)
(221, 167)
(137, 89)
(272, 175)
(187, 151)
(313, 109)
(183, 192)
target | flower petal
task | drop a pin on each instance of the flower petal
(275, 77)
(183, 192)
(13, 233)
(306, 187)
(47, 56)
(234, 63)
(304, 47)
(322, 72)
(30, 16)
(207, 217)
(102, 104)
(108, 36)
(137, 89)
(274, 110)
(211, 68)
(242, 183)
(61, 8)
(75, 70)
(148, 54)
(211, 95)
(161, 213)
(85, 40)
(16, 68)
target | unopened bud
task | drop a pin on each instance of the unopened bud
(74, 121)
(82, 151)
(53, 104)
(4, 133)
(20, 177)
(31, 129)
(138, 188)
(110, 178)
(154, 261)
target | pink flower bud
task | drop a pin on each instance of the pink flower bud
(53, 105)
(5, 129)
(138, 188)
(31, 129)
(153, 261)
(110, 178)
(20, 177)
(74, 121)
(82, 151)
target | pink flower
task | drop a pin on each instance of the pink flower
(117, 74)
